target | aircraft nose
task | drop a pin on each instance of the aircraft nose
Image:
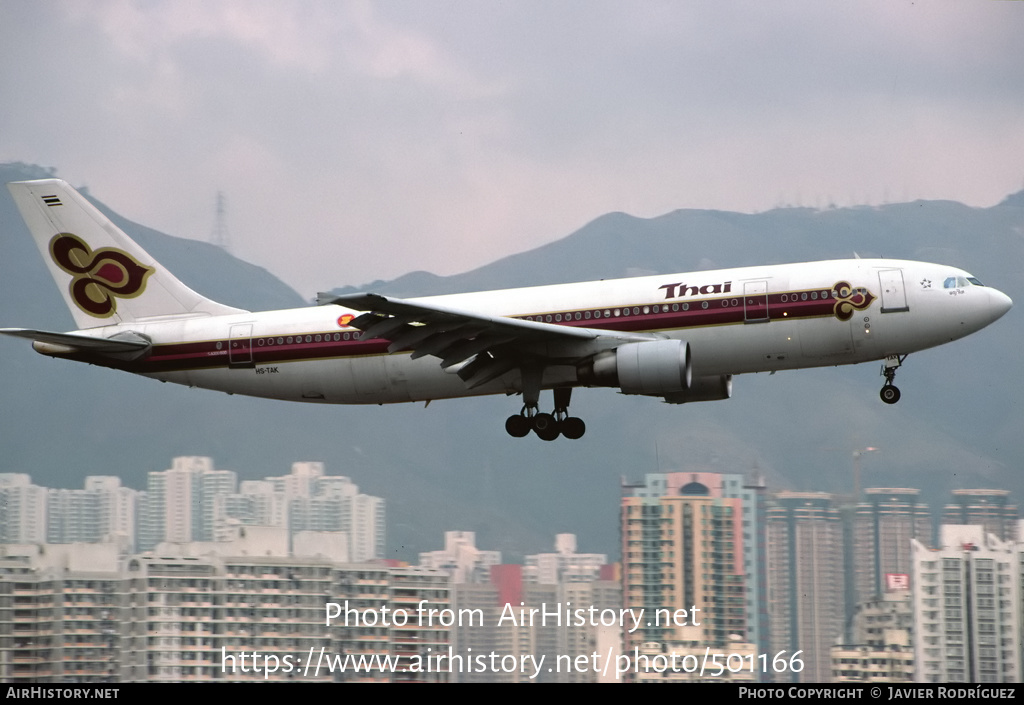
(999, 304)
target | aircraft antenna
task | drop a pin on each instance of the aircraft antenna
(219, 236)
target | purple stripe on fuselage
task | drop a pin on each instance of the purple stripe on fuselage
(678, 315)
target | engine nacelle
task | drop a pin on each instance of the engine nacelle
(703, 389)
(655, 367)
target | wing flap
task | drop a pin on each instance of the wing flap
(485, 369)
(440, 343)
(384, 327)
(469, 348)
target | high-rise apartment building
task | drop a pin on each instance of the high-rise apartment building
(805, 580)
(885, 521)
(83, 613)
(564, 565)
(744, 496)
(103, 511)
(880, 647)
(518, 610)
(691, 549)
(683, 553)
(304, 500)
(991, 509)
(62, 613)
(967, 608)
(192, 502)
(461, 559)
(313, 501)
(180, 502)
(23, 519)
(572, 581)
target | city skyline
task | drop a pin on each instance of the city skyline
(44, 513)
(728, 563)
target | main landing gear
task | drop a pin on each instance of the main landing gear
(547, 426)
(890, 393)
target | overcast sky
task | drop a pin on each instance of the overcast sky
(357, 141)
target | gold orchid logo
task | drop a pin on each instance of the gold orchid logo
(98, 278)
(849, 299)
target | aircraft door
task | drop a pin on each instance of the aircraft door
(240, 346)
(755, 302)
(894, 295)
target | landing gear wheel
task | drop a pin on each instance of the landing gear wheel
(548, 427)
(545, 426)
(890, 394)
(572, 427)
(517, 425)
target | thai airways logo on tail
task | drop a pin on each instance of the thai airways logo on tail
(98, 278)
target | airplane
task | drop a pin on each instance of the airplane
(678, 337)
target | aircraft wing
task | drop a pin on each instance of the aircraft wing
(483, 347)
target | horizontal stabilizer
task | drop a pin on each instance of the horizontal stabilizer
(126, 343)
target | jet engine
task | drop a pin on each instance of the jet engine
(655, 367)
(703, 389)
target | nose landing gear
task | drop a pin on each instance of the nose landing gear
(890, 393)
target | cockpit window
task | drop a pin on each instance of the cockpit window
(974, 280)
(959, 282)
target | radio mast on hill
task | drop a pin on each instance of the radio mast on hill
(219, 236)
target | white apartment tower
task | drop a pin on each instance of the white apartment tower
(461, 559)
(23, 519)
(308, 500)
(564, 565)
(180, 502)
(102, 511)
(967, 608)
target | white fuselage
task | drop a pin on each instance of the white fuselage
(735, 321)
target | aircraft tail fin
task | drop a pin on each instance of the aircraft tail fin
(104, 276)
